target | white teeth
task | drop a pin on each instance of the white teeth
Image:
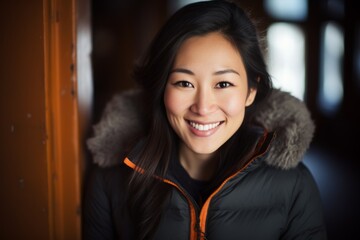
(204, 127)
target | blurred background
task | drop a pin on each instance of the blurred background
(61, 61)
(313, 51)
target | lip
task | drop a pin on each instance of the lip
(202, 131)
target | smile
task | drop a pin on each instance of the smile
(204, 127)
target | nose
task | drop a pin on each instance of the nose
(204, 102)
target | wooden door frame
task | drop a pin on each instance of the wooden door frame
(67, 113)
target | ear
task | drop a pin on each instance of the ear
(251, 97)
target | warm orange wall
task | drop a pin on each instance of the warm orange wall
(40, 131)
(24, 188)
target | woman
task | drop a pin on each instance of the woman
(205, 149)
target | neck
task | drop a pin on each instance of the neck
(198, 166)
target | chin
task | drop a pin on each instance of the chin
(204, 150)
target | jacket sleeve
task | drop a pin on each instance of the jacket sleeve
(97, 221)
(305, 220)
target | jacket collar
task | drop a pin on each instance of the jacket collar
(283, 114)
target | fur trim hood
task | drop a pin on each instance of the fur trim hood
(283, 113)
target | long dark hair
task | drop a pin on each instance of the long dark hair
(148, 194)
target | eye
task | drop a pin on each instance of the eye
(224, 84)
(184, 84)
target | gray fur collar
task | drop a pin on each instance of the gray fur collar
(283, 113)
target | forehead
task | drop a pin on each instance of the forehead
(212, 50)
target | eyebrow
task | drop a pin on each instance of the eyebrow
(226, 71)
(182, 70)
(187, 71)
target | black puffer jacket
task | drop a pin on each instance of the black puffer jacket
(273, 197)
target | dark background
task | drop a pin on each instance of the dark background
(122, 29)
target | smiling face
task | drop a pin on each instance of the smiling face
(206, 94)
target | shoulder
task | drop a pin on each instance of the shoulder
(104, 198)
(299, 172)
(298, 176)
(107, 180)
(283, 185)
(294, 188)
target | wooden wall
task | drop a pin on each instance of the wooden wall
(42, 122)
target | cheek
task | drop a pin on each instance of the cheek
(171, 102)
(234, 106)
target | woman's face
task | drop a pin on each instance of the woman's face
(206, 93)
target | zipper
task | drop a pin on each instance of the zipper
(197, 225)
(205, 207)
(193, 219)
(194, 222)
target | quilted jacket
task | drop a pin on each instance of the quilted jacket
(274, 196)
